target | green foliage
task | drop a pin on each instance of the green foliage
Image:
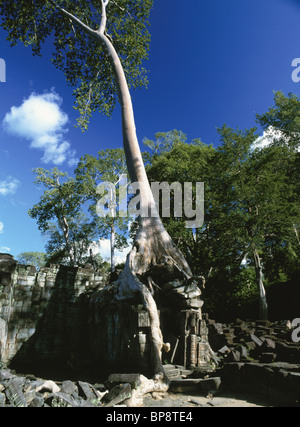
(164, 142)
(60, 217)
(66, 212)
(81, 58)
(37, 259)
(251, 205)
(91, 171)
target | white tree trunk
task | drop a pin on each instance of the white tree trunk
(263, 305)
(112, 247)
(153, 244)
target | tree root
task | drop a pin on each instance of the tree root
(153, 248)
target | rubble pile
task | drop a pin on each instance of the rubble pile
(254, 341)
(119, 390)
(259, 358)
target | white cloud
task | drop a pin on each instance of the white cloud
(102, 247)
(1, 227)
(9, 186)
(41, 120)
(4, 249)
(269, 136)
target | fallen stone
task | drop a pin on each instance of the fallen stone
(224, 350)
(37, 402)
(29, 396)
(5, 375)
(235, 356)
(118, 394)
(171, 371)
(48, 386)
(15, 395)
(2, 399)
(195, 385)
(69, 387)
(244, 352)
(66, 401)
(270, 343)
(86, 391)
(256, 340)
(133, 379)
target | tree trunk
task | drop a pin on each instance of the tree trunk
(153, 245)
(263, 305)
(65, 229)
(112, 246)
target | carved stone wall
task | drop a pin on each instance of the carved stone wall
(50, 322)
(42, 314)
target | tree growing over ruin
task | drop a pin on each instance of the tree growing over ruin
(100, 47)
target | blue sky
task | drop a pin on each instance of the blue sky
(211, 62)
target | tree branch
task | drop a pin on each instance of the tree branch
(74, 19)
(104, 17)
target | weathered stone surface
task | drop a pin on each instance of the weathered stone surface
(66, 401)
(86, 391)
(48, 387)
(29, 392)
(5, 375)
(37, 402)
(133, 379)
(14, 394)
(2, 399)
(118, 394)
(49, 298)
(266, 380)
(195, 385)
(69, 387)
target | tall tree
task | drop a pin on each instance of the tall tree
(258, 195)
(70, 233)
(179, 161)
(108, 167)
(281, 125)
(37, 259)
(96, 62)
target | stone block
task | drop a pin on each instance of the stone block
(117, 395)
(48, 386)
(196, 303)
(64, 400)
(195, 385)
(69, 387)
(86, 391)
(256, 340)
(143, 319)
(37, 402)
(15, 395)
(133, 379)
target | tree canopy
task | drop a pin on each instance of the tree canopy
(82, 59)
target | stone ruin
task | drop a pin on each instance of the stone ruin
(51, 327)
(48, 319)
